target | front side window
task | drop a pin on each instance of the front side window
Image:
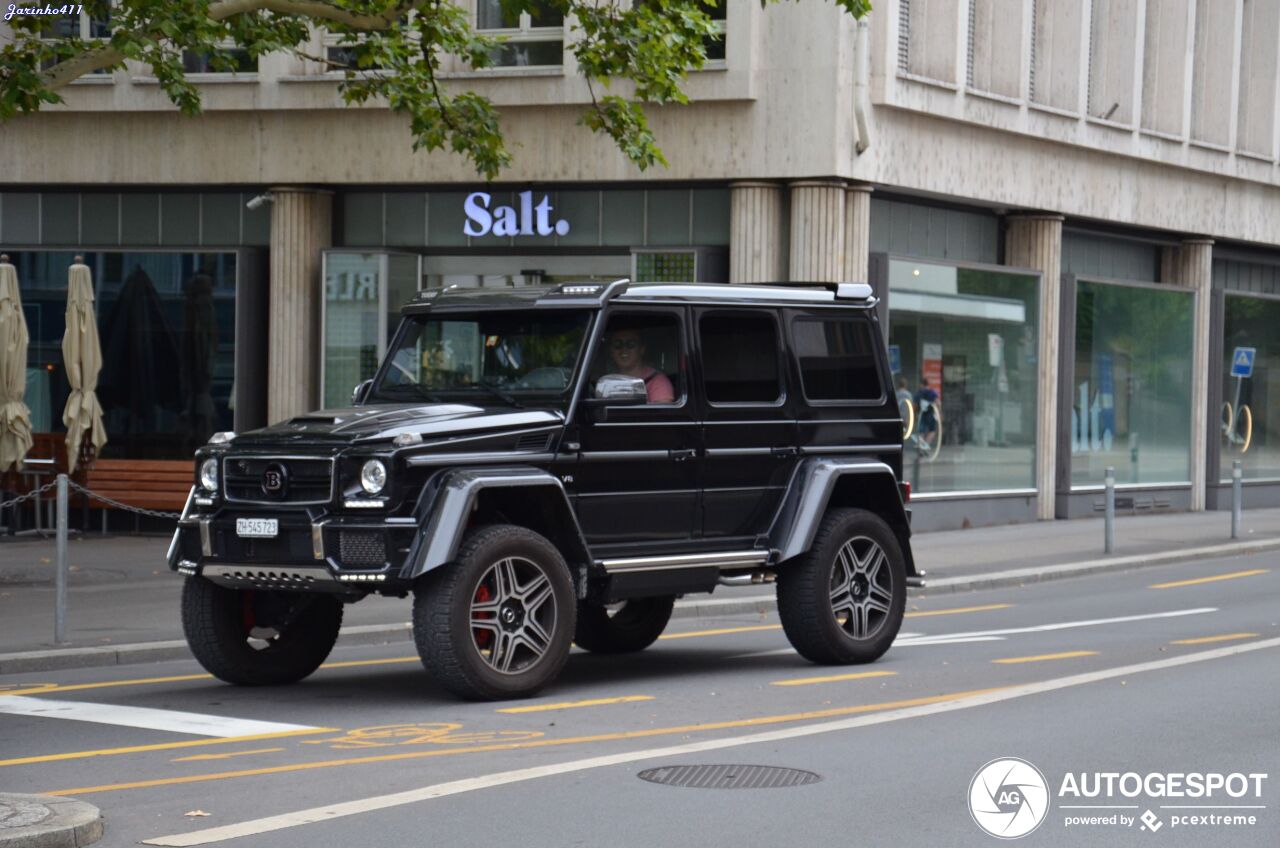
(645, 346)
(530, 39)
(837, 360)
(506, 358)
(740, 358)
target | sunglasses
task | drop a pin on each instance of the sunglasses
(624, 344)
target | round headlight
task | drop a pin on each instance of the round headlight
(373, 476)
(209, 474)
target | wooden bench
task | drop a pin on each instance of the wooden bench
(145, 483)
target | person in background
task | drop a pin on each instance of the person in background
(927, 403)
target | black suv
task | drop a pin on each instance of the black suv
(551, 465)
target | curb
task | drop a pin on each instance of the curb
(759, 604)
(43, 821)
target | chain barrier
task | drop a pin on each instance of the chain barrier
(72, 485)
(34, 493)
(154, 513)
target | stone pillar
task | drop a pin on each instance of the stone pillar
(301, 226)
(1035, 241)
(817, 231)
(857, 233)
(756, 233)
(1191, 265)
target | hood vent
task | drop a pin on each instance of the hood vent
(535, 442)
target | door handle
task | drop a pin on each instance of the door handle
(785, 453)
(682, 454)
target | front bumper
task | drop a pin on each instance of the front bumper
(329, 553)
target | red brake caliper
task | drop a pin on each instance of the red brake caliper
(483, 637)
(247, 615)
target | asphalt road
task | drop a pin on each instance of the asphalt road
(1140, 672)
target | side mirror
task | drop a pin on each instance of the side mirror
(359, 392)
(621, 390)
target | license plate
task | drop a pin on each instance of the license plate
(257, 528)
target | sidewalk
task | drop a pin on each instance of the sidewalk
(122, 595)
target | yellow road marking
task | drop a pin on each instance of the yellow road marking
(721, 632)
(74, 687)
(570, 705)
(539, 743)
(226, 756)
(805, 681)
(1206, 639)
(1043, 657)
(956, 611)
(1232, 576)
(356, 663)
(162, 746)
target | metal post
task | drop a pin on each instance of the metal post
(1237, 497)
(1109, 529)
(60, 605)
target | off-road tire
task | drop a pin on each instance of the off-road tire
(443, 605)
(633, 627)
(805, 592)
(216, 625)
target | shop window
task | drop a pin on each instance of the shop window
(963, 352)
(1131, 384)
(530, 39)
(1250, 374)
(837, 360)
(740, 358)
(166, 324)
(665, 266)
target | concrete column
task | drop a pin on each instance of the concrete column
(1191, 265)
(1035, 241)
(857, 232)
(756, 233)
(301, 226)
(817, 231)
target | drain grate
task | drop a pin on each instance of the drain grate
(729, 777)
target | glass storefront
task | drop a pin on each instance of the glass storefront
(1131, 385)
(963, 349)
(166, 322)
(363, 293)
(1250, 375)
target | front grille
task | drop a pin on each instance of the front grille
(305, 480)
(362, 548)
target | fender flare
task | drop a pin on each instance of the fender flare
(809, 493)
(448, 499)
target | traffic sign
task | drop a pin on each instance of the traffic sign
(1242, 361)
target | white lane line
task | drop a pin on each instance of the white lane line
(172, 721)
(1067, 625)
(330, 812)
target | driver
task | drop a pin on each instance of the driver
(626, 350)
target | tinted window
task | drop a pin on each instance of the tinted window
(740, 358)
(837, 360)
(645, 346)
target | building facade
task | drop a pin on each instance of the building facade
(1070, 212)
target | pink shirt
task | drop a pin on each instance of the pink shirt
(659, 387)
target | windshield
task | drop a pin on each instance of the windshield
(509, 358)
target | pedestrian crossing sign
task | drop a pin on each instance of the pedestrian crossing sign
(1242, 361)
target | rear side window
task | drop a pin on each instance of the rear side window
(740, 358)
(837, 359)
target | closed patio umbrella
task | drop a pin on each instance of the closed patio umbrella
(82, 356)
(15, 417)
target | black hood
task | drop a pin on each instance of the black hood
(386, 421)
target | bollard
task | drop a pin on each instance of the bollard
(1109, 523)
(1237, 497)
(60, 602)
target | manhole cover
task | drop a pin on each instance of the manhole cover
(729, 777)
(22, 812)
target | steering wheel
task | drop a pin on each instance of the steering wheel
(549, 377)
